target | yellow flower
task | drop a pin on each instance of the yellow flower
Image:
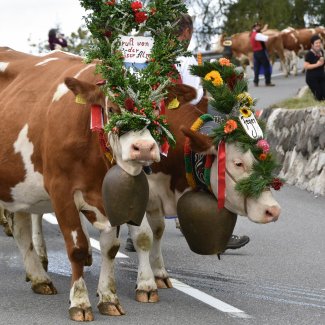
(245, 111)
(215, 77)
(245, 99)
(224, 61)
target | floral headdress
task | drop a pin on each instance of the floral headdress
(137, 94)
(228, 88)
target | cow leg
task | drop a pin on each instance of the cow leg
(157, 224)
(146, 289)
(89, 260)
(4, 215)
(108, 300)
(77, 249)
(22, 232)
(38, 239)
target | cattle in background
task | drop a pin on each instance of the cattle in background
(296, 42)
(242, 48)
(52, 161)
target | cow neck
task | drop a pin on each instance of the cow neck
(97, 125)
(198, 165)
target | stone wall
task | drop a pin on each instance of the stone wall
(298, 136)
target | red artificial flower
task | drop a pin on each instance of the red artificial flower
(110, 3)
(136, 5)
(140, 17)
(129, 104)
(262, 156)
(277, 184)
(108, 33)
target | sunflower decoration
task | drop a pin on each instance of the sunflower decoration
(137, 91)
(239, 126)
(223, 81)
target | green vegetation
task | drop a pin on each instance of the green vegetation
(307, 100)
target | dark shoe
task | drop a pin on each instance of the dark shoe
(270, 85)
(129, 245)
(255, 84)
(237, 242)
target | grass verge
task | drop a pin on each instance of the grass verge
(307, 100)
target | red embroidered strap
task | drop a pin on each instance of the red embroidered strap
(97, 125)
(96, 121)
(221, 174)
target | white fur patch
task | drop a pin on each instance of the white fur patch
(79, 294)
(84, 69)
(30, 193)
(102, 222)
(74, 236)
(3, 66)
(60, 92)
(46, 61)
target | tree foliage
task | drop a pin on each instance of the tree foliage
(278, 14)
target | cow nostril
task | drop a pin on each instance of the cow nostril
(135, 147)
(269, 213)
(152, 148)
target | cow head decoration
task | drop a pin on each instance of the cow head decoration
(131, 150)
(242, 168)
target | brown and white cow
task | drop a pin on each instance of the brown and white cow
(241, 46)
(52, 161)
(168, 182)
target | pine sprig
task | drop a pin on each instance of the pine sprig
(107, 21)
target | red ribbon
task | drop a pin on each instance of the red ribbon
(162, 107)
(221, 174)
(96, 121)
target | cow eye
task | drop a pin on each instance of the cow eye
(239, 164)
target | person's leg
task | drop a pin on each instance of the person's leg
(257, 66)
(267, 68)
(315, 87)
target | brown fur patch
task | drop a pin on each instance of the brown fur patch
(159, 232)
(113, 251)
(144, 242)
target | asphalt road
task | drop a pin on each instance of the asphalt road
(278, 278)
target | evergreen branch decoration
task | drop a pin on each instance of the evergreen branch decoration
(107, 22)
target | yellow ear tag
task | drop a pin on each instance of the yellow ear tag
(80, 100)
(173, 104)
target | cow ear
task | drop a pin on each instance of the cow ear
(198, 142)
(90, 93)
(183, 93)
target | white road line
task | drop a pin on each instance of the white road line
(49, 217)
(95, 244)
(195, 293)
(209, 300)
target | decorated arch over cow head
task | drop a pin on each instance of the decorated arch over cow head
(136, 44)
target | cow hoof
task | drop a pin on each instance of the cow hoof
(145, 296)
(163, 283)
(108, 308)
(81, 315)
(89, 260)
(44, 288)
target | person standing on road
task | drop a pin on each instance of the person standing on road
(314, 67)
(261, 58)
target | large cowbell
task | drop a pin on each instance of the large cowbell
(206, 228)
(125, 197)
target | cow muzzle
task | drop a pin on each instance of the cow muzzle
(144, 150)
(272, 213)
